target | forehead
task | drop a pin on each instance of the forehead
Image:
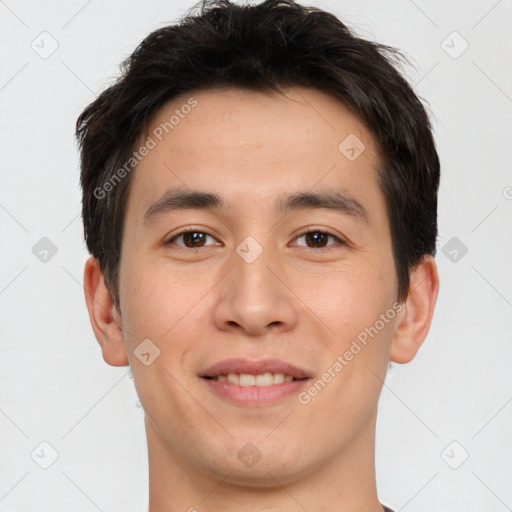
(229, 117)
(237, 141)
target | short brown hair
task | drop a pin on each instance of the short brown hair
(262, 47)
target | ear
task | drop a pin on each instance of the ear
(416, 317)
(105, 319)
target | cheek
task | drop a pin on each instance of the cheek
(161, 309)
(155, 301)
(167, 311)
(350, 304)
(359, 310)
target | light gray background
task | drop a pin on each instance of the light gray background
(54, 384)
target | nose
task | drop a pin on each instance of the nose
(255, 297)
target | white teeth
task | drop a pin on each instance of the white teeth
(247, 380)
(233, 378)
(266, 379)
(262, 380)
(278, 378)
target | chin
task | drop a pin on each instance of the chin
(250, 466)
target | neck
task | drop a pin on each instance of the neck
(342, 482)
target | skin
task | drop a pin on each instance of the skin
(295, 302)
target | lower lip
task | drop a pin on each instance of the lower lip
(255, 395)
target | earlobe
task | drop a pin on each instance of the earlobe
(416, 317)
(105, 320)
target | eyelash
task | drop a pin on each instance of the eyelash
(308, 231)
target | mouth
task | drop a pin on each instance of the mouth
(246, 370)
(254, 383)
(260, 380)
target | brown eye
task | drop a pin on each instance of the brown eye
(317, 239)
(192, 239)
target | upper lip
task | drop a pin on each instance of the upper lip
(253, 368)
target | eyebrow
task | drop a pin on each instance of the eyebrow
(179, 199)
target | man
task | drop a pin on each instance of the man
(260, 202)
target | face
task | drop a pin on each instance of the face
(266, 272)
